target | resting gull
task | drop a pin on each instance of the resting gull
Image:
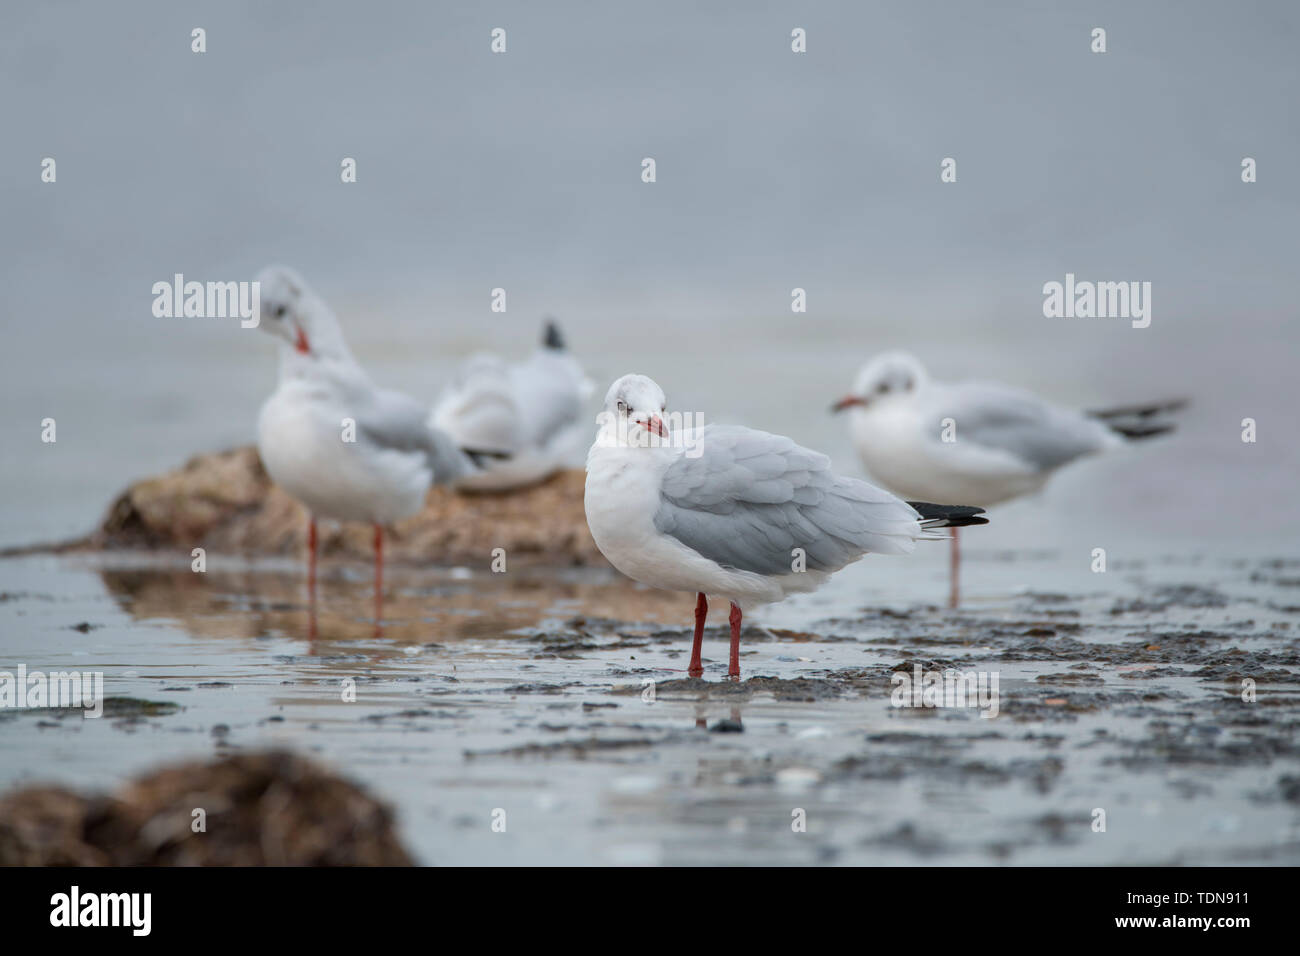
(733, 512)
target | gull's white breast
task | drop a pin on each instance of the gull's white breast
(300, 438)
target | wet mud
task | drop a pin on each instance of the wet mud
(527, 721)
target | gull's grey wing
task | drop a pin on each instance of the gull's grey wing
(751, 498)
(396, 421)
(1015, 422)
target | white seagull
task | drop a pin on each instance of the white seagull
(530, 411)
(345, 448)
(732, 512)
(979, 442)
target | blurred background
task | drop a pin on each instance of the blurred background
(775, 170)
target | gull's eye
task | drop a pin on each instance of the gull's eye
(882, 388)
(280, 311)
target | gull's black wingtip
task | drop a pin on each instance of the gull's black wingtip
(1140, 421)
(551, 336)
(1143, 410)
(948, 516)
(481, 457)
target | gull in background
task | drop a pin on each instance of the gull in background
(345, 448)
(728, 511)
(530, 411)
(979, 442)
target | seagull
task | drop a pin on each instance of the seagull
(733, 512)
(345, 448)
(530, 411)
(979, 442)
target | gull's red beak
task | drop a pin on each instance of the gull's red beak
(301, 343)
(848, 401)
(656, 425)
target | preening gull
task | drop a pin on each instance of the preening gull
(530, 411)
(733, 512)
(979, 442)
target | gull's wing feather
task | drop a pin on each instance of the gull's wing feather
(750, 498)
(1036, 433)
(548, 389)
(393, 421)
(478, 407)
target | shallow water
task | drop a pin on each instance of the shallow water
(522, 693)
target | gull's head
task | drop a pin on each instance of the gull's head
(286, 307)
(634, 408)
(887, 378)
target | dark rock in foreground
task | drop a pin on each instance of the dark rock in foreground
(267, 809)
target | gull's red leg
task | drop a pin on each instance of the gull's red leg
(379, 575)
(734, 669)
(311, 581)
(954, 571)
(701, 612)
(311, 557)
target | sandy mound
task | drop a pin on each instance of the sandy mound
(225, 502)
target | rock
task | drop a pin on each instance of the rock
(263, 809)
(226, 502)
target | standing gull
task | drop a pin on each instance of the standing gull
(342, 446)
(531, 410)
(733, 512)
(979, 442)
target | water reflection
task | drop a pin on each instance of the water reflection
(417, 606)
(732, 724)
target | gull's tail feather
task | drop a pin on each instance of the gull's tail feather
(1139, 421)
(947, 516)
